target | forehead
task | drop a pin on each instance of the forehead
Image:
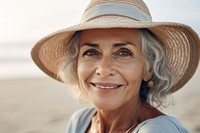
(114, 34)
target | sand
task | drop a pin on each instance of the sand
(42, 105)
(39, 105)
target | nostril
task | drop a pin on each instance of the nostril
(105, 71)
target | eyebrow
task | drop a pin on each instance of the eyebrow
(120, 44)
(94, 45)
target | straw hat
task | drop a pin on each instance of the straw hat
(180, 42)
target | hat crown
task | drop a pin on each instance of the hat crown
(137, 3)
(135, 9)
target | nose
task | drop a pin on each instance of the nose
(105, 67)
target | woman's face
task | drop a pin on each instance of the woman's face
(110, 66)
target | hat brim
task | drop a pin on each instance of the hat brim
(180, 42)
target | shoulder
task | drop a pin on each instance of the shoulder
(164, 124)
(82, 114)
(80, 119)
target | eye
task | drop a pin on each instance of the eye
(90, 52)
(124, 53)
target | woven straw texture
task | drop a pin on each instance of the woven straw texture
(180, 42)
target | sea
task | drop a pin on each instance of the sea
(16, 62)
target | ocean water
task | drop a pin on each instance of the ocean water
(16, 62)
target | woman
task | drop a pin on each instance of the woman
(122, 62)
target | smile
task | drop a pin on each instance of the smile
(106, 86)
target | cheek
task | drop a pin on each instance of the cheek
(133, 69)
(84, 71)
(82, 74)
(133, 75)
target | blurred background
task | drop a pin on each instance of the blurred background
(31, 102)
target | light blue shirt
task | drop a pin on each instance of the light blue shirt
(81, 119)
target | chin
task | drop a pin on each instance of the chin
(106, 104)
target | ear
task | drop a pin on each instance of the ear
(147, 74)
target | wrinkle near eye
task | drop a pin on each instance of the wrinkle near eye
(90, 53)
(124, 52)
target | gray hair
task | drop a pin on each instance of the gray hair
(162, 76)
(154, 57)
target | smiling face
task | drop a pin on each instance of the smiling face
(111, 66)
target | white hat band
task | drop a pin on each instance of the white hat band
(116, 9)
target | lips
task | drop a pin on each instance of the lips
(106, 86)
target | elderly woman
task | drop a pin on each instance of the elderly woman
(122, 62)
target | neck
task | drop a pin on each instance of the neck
(120, 119)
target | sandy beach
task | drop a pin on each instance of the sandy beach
(42, 105)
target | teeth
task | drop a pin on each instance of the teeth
(106, 87)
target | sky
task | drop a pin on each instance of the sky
(29, 20)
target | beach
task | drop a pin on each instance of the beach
(34, 105)
(32, 102)
(43, 105)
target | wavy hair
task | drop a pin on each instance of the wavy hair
(162, 76)
(154, 57)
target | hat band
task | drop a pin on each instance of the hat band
(115, 9)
